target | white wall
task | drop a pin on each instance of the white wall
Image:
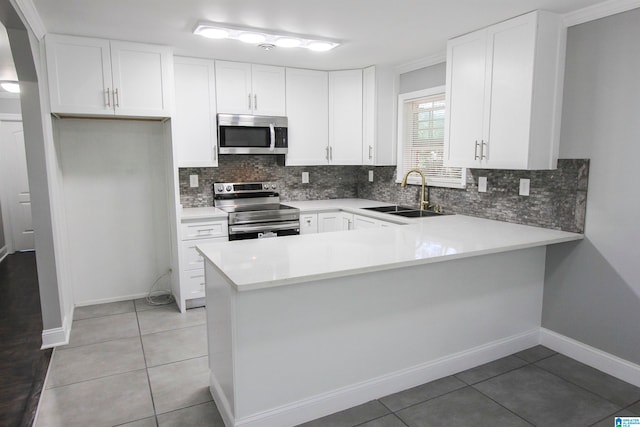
(114, 174)
(592, 290)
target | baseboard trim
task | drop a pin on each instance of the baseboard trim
(112, 299)
(221, 400)
(591, 356)
(336, 400)
(57, 336)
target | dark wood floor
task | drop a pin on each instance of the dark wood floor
(23, 366)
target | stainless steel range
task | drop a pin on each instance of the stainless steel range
(255, 211)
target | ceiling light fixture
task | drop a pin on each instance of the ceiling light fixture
(260, 37)
(10, 86)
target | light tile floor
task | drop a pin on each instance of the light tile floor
(131, 364)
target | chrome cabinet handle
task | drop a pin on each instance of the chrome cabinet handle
(330, 153)
(107, 97)
(475, 157)
(116, 98)
(326, 155)
(483, 155)
(370, 153)
(255, 102)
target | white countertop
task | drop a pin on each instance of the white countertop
(264, 263)
(192, 214)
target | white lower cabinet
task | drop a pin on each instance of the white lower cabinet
(308, 223)
(330, 221)
(340, 221)
(361, 221)
(195, 233)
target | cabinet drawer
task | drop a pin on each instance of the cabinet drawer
(193, 284)
(191, 258)
(308, 223)
(204, 230)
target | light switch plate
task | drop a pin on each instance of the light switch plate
(370, 176)
(305, 177)
(193, 181)
(482, 184)
(524, 186)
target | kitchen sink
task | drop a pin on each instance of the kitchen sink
(390, 209)
(404, 211)
(416, 213)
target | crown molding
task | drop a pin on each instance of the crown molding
(600, 10)
(30, 15)
(428, 61)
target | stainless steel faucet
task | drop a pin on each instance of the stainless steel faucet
(424, 204)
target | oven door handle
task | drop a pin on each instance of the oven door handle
(233, 229)
(272, 132)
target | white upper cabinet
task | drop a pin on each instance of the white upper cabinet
(308, 114)
(194, 121)
(504, 94)
(345, 117)
(104, 78)
(250, 89)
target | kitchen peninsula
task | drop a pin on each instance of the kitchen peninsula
(303, 326)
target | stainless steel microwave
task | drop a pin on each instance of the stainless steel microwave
(245, 134)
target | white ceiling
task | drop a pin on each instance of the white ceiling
(373, 31)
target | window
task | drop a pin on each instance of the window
(421, 139)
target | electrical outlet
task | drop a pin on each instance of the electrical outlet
(305, 177)
(370, 176)
(524, 186)
(193, 181)
(482, 184)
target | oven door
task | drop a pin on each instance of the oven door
(264, 230)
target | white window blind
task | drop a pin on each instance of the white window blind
(421, 139)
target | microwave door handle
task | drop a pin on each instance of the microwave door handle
(272, 131)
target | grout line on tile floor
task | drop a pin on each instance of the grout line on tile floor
(531, 423)
(579, 386)
(146, 369)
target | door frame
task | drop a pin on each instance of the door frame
(4, 199)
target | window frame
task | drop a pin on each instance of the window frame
(415, 179)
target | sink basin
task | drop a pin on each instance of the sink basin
(416, 213)
(390, 209)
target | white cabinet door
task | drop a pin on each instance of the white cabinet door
(194, 121)
(233, 87)
(268, 86)
(104, 78)
(141, 79)
(250, 89)
(360, 222)
(308, 223)
(466, 78)
(511, 96)
(79, 71)
(346, 220)
(345, 117)
(307, 94)
(330, 221)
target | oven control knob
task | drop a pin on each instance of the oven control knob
(228, 188)
(273, 186)
(220, 188)
(265, 187)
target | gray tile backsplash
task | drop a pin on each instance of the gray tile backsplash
(557, 197)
